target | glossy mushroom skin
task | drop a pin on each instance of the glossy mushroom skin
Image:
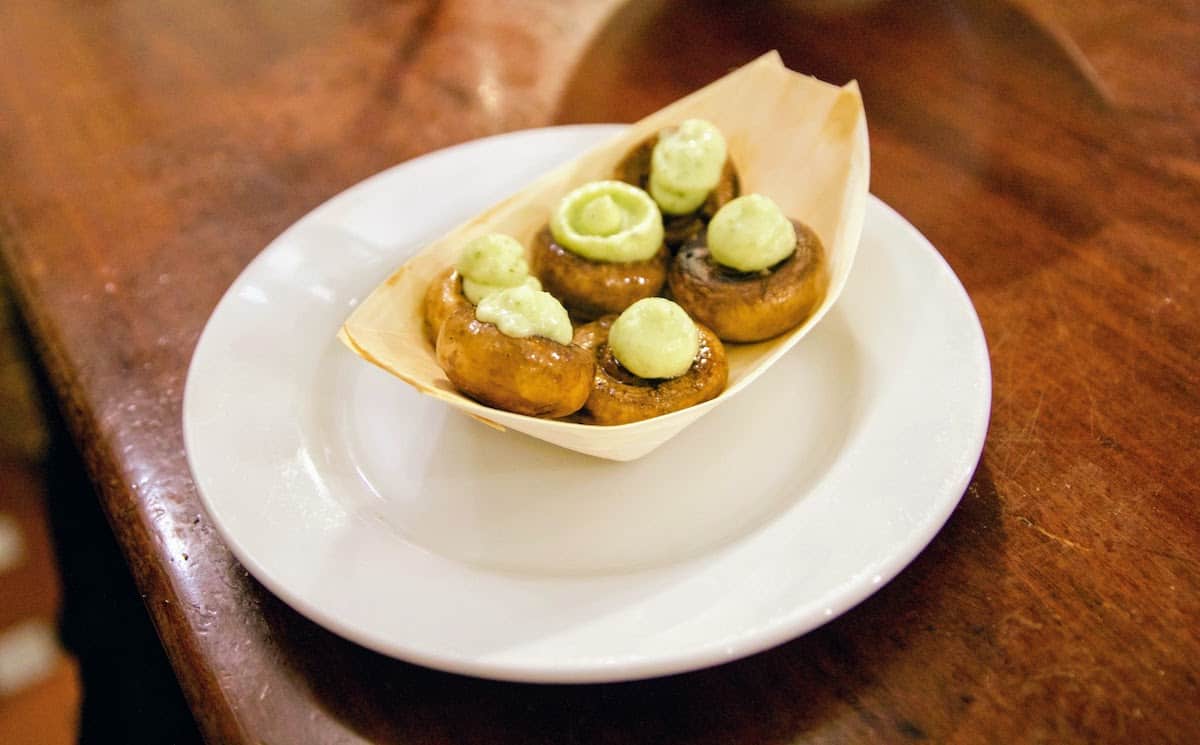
(535, 376)
(618, 396)
(443, 298)
(750, 306)
(590, 289)
(634, 169)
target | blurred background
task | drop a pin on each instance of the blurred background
(39, 682)
(70, 618)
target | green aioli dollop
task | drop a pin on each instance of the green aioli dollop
(655, 338)
(608, 221)
(686, 165)
(477, 291)
(521, 312)
(750, 234)
(601, 216)
(491, 263)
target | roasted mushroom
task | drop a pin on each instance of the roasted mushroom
(754, 291)
(603, 249)
(514, 352)
(619, 395)
(680, 159)
(443, 299)
(590, 289)
(488, 264)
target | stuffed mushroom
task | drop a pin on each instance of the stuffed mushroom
(487, 265)
(753, 274)
(603, 249)
(514, 351)
(689, 174)
(651, 360)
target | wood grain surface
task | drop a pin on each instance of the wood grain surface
(1050, 149)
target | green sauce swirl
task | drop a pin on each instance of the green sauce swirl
(491, 263)
(655, 338)
(750, 234)
(608, 221)
(521, 312)
(686, 165)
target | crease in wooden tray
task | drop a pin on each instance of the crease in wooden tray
(800, 141)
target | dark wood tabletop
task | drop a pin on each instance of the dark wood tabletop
(1050, 149)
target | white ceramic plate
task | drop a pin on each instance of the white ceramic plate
(409, 528)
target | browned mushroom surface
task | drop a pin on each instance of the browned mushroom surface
(619, 397)
(589, 289)
(534, 376)
(750, 306)
(443, 298)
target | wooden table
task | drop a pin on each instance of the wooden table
(1050, 149)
